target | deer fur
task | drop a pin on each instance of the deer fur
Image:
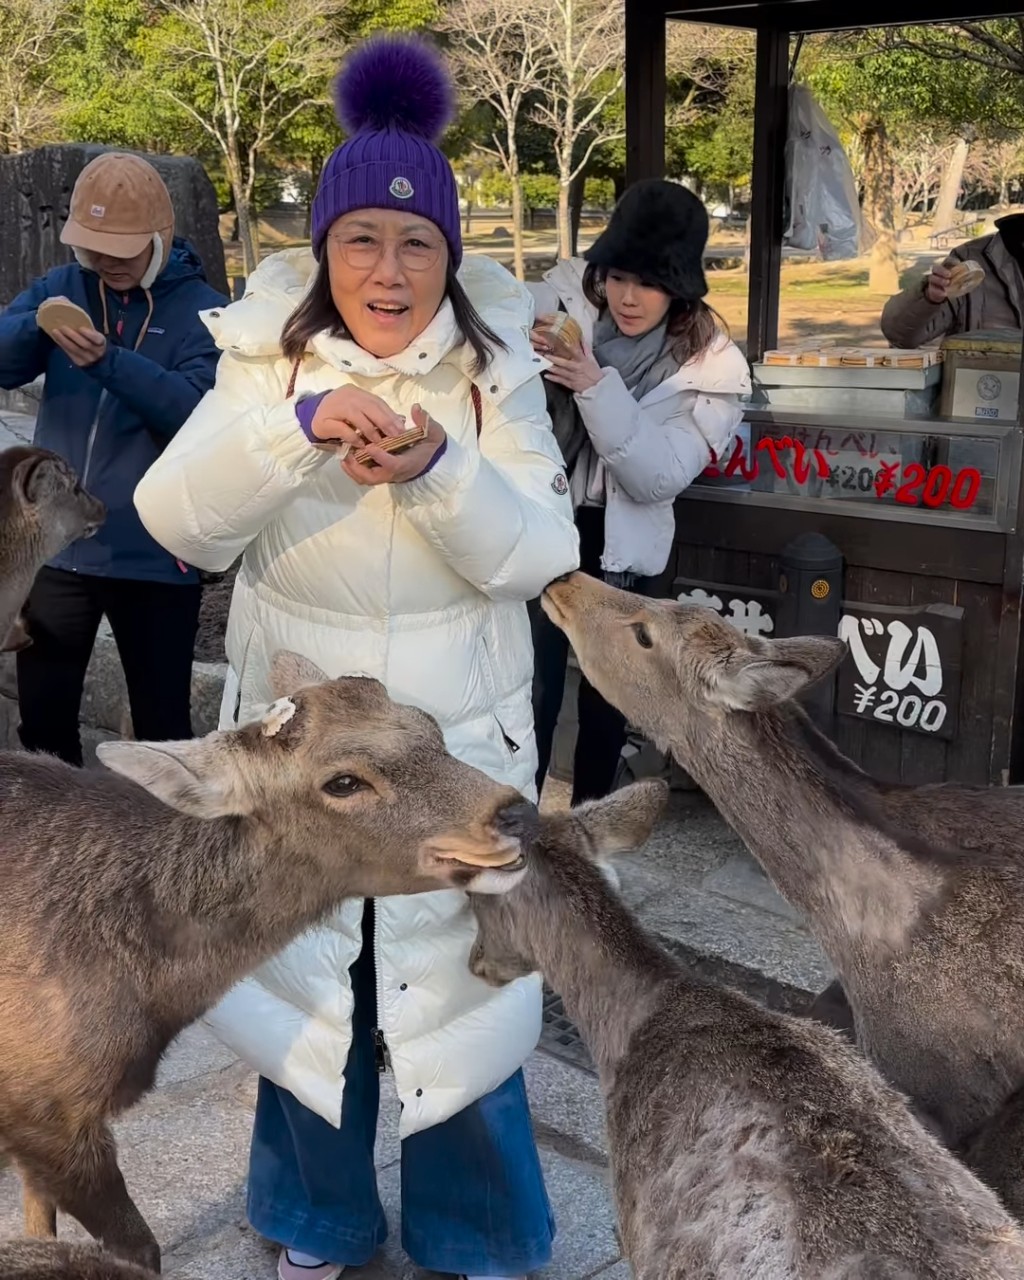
(43, 509)
(130, 904)
(57, 1260)
(915, 894)
(744, 1144)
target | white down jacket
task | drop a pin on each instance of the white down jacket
(420, 585)
(652, 449)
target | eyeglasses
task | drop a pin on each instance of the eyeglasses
(362, 251)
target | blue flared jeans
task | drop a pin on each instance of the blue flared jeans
(473, 1196)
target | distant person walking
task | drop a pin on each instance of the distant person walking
(925, 313)
(113, 397)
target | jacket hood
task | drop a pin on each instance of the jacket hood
(252, 326)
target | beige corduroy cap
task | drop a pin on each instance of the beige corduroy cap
(118, 205)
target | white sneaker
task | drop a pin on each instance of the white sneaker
(289, 1269)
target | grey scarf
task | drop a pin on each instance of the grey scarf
(643, 363)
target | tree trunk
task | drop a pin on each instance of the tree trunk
(247, 234)
(949, 192)
(316, 164)
(879, 209)
(577, 190)
(564, 226)
(518, 255)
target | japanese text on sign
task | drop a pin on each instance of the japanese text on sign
(905, 667)
(912, 483)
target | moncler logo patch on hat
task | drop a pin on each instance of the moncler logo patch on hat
(560, 485)
(98, 210)
(401, 188)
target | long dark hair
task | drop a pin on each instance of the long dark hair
(692, 326)
(316, 313)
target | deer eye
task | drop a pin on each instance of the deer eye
(643, 636)
(344, 785)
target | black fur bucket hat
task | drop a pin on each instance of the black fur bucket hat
(658, 232)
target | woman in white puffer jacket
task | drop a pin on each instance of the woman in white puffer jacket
(653, 395)
(414, 571)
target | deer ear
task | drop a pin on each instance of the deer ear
(774, 671)
(26, 479)
(198, 777)
(290, 672)
(624, 820)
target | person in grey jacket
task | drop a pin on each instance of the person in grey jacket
(639, 412)
(924, 313)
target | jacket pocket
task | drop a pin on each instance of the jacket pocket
(487, 671)
(240, 670)
(511, 746)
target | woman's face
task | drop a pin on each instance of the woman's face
(636, 308)
(387, 271)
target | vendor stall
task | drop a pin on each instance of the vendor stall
(873, 490)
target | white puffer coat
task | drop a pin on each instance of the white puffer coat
(652, 449)
(420, 585)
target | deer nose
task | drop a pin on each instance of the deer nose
(517, 821)
(562, 577)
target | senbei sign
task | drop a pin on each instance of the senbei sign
(818, 462)
(904, 666)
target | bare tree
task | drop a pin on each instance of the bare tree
(997, 164)
(584, 72)
(31, 33)
(500, 56)
(241, 70)
(706, 59)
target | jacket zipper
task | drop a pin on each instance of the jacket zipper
(381, 1053)
(91, 443)
(513, 746)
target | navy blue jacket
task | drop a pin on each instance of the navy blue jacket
(112, 420)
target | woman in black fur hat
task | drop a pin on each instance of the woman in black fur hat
(638, 412)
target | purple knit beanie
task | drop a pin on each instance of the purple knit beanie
(394, 97)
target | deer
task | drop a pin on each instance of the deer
(43, 509)
(133, 897)
(916, 895)
(744, 1144)
(59, 1260)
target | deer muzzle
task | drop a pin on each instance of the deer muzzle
(498, 845)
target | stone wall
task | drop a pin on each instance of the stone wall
(105, 713)
(35, 189)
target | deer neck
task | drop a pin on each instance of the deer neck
(591, 951)
(16, 577)
(812, 820)
(221, 912)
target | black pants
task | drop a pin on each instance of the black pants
(154, 625)
(602, 729)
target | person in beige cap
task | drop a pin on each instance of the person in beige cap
(120, 380)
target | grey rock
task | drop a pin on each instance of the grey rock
(35, 190)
